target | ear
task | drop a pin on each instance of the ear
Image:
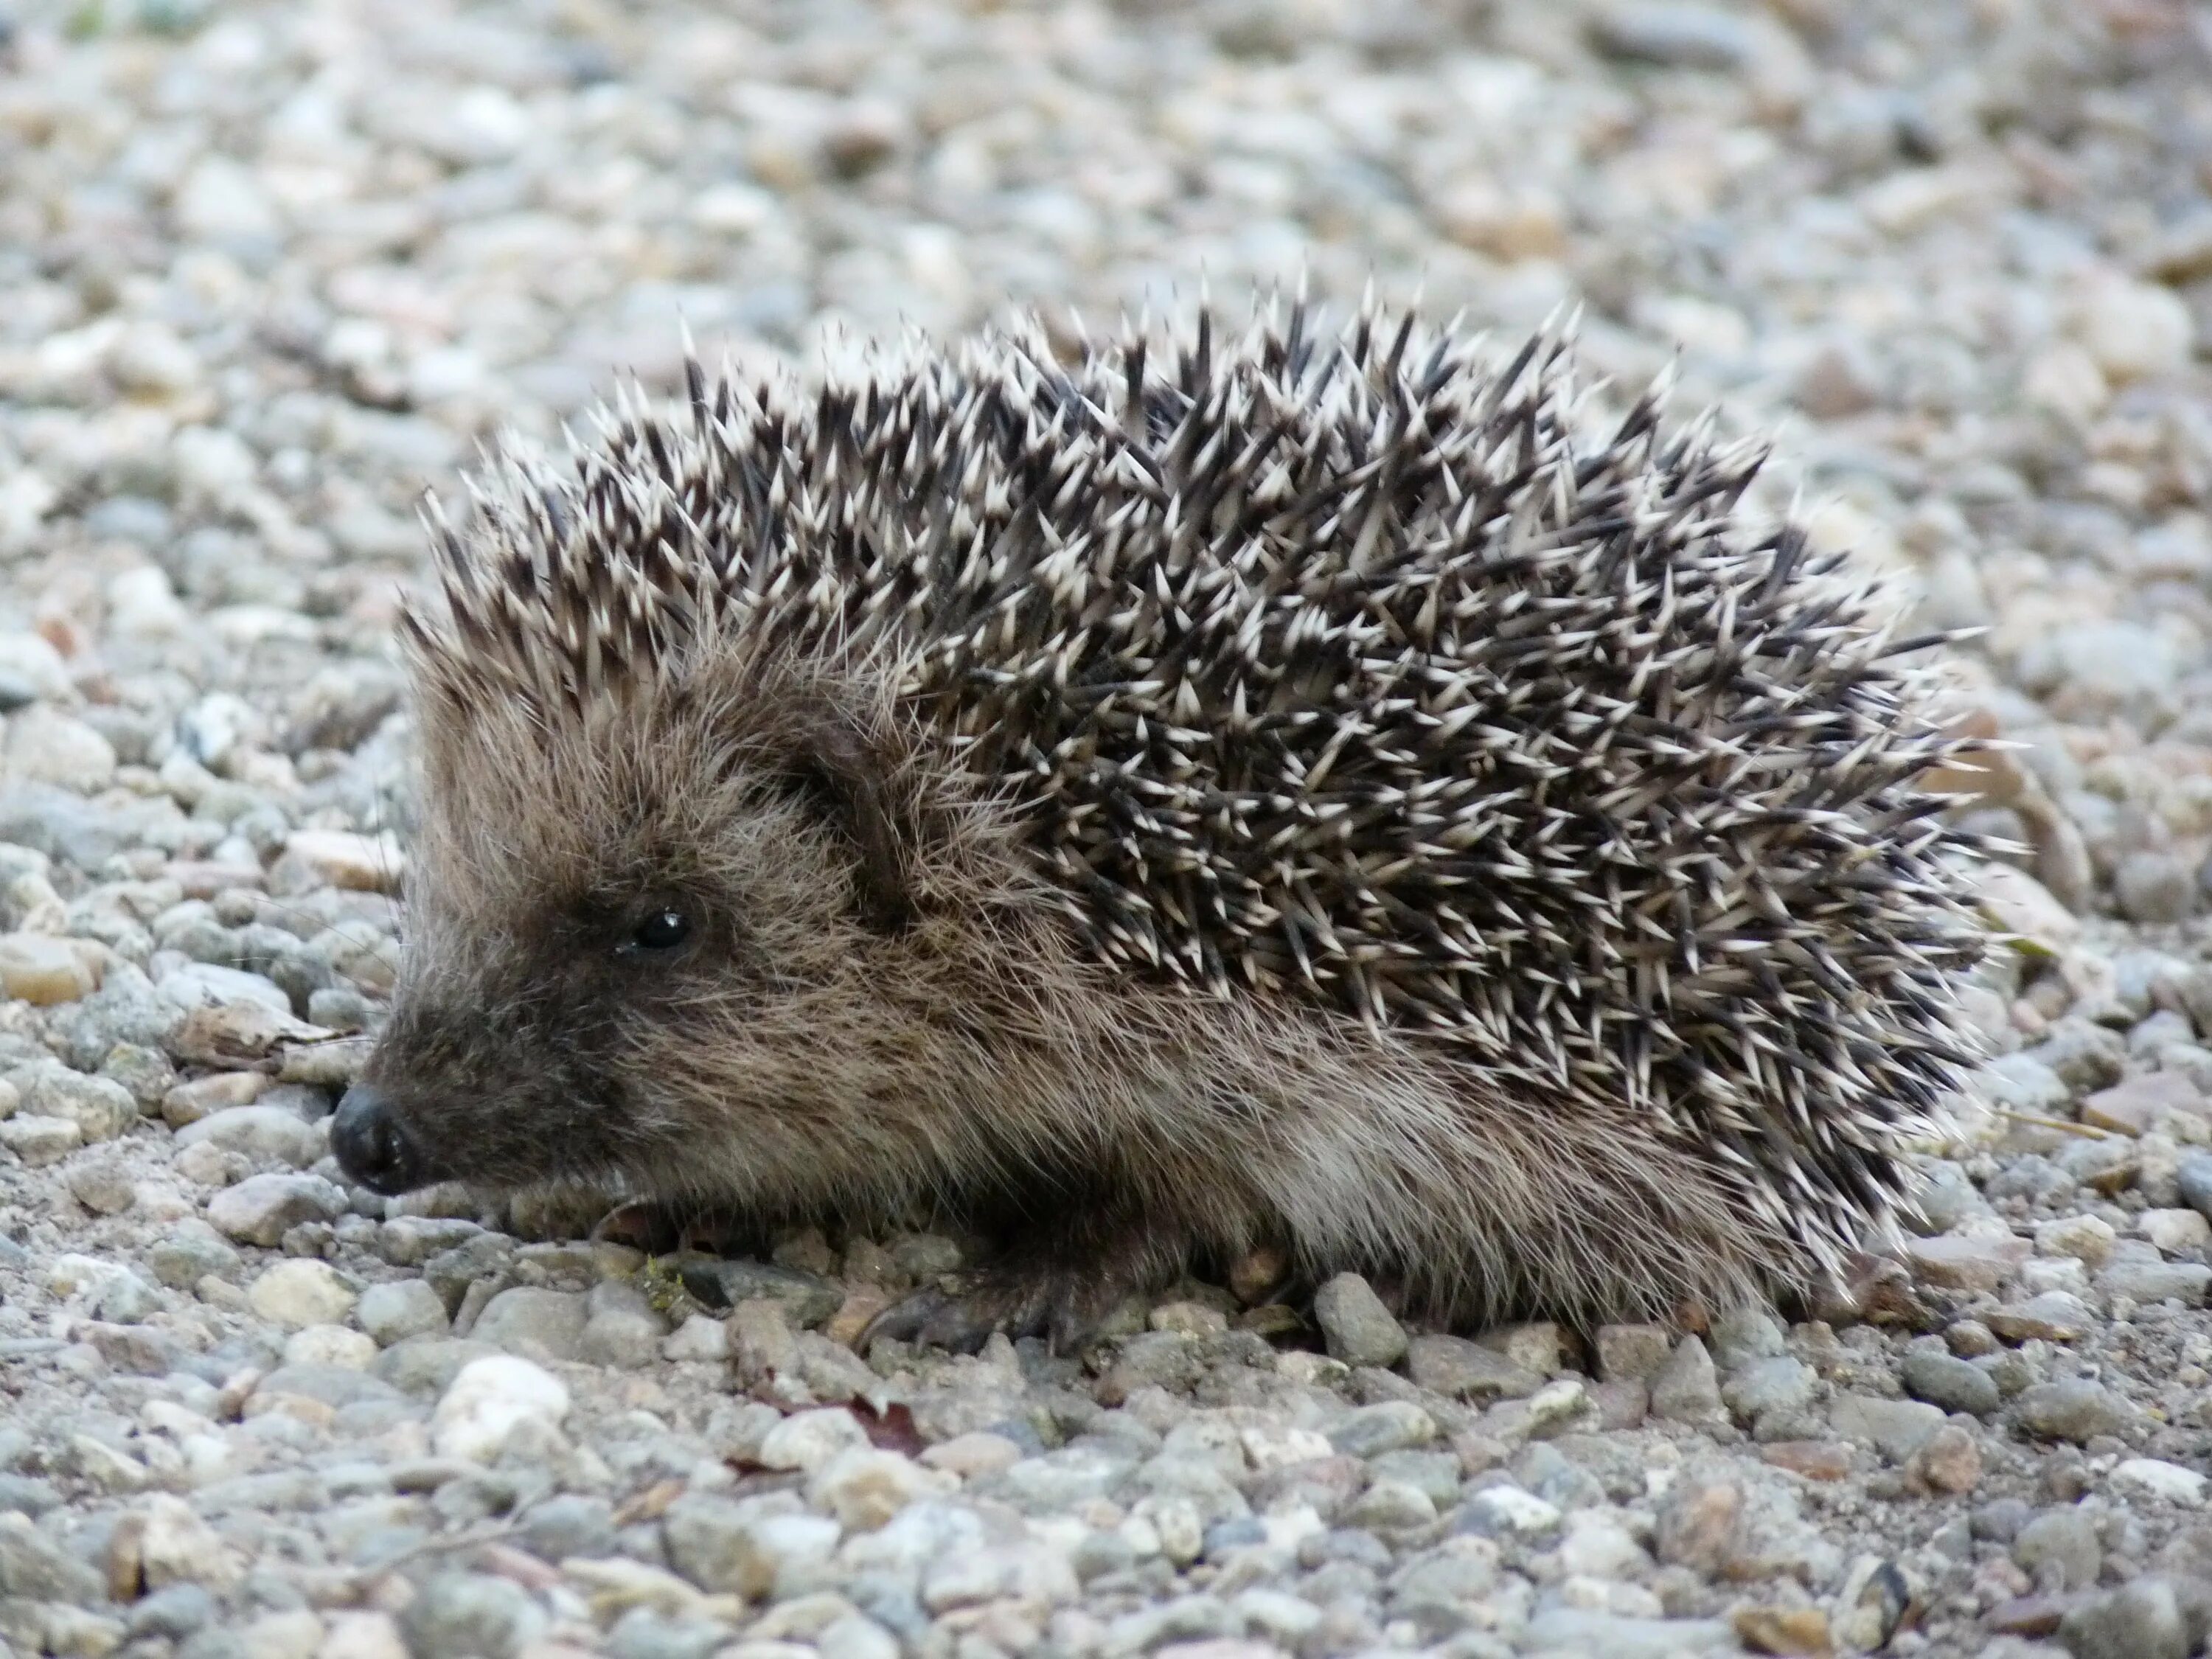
(833, 765)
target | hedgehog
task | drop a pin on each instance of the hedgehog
(1151, 802)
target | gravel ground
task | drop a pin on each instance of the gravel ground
(269, 271)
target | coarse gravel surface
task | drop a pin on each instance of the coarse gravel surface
(269, 271)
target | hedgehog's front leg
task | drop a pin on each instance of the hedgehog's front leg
(1057, 1280)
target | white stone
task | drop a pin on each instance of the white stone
(863, 1487)
(490, 1401)
(808, 1440)
(141, 604)
(2175, 1231)
(2085, 1237)
(697, 1338)
(32, 659)
(362, 1636)
(300, 1291)
(47, 746)
(1512, 1509)
(2133, 331)
(331, 1344)
(177, 1548)
(40, 1141)
(220, 198)
(367, 863)
(1278, 1445)
(1600, 1546)
(2152, 1477)
(209, 985)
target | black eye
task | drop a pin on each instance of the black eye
(664, 930)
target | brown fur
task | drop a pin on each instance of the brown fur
(811, 1060)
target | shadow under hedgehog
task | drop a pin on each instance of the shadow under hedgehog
(1305, 792)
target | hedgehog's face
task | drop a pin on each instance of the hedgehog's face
(648, 946)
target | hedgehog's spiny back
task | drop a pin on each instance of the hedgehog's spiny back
(1342, 668)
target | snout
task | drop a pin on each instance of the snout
(372, 1147)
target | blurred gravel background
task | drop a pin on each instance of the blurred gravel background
(267, 273)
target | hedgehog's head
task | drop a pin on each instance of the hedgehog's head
(667, 929)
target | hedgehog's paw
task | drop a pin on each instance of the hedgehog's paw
(961, 1312)
(659, 1228)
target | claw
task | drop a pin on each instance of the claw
(933, 1317)
(962, 1317)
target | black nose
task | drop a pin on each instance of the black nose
(372, 1148)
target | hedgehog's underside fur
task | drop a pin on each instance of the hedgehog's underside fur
(1306, 792)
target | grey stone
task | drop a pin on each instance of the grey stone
(1435, 1472)
(426, 1365)
(101, 1108)
(571, 1525)
(2086, 1056)
(711, 1541)
(1629, 1352)
(403, 1308)
(1393, 1426)
(1617, 1636)
(473, 1613)
(265, 1133)
(146, 1072)
(1686, 1388)
(2154, 887)
(1460, 1370)
(2186, 1282)
(1946, 1197)
(62, 825)
(479, 1258)
(1358, 1329)
(1677, 36)
(262, 1208)
(410, 1240)
(538, 1324)
(621, 1327)
(174, 1611)
(126, 1008)
(2142, 1620)
(1167, 1359)
(1780, 1383)
(645, 1633)
(1952, 1384)
(2059, 1549)
(1743, 1335)
(2021, 1083)
(188, 1251)
(38, 1570)
(1896, 1428)
(126, 1299)
(1058, 1480)
(2000, 1520)
(2194, 1181)
(2075, 1408)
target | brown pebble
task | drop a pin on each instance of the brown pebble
(1794, 1631)
(1258, 1272)
(2027, 1615)
(1815, 1460)
(1969, 1339)
(862, 1302)
(1696, 1528)
(1947, 1461)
